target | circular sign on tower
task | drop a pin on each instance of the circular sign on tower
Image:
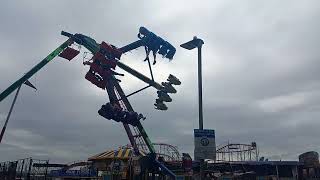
(205, 146)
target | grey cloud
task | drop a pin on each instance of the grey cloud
(254, 52)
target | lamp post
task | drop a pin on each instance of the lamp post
(197, 43)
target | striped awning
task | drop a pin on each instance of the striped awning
(122, 153)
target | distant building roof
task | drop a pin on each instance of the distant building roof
(124, 153)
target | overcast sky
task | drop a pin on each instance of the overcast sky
(260, 75)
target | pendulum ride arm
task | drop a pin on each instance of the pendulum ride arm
(35, 69)
(113, 86)
(92, 46)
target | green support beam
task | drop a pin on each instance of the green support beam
(35, 69)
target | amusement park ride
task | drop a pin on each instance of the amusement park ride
(105, 59)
